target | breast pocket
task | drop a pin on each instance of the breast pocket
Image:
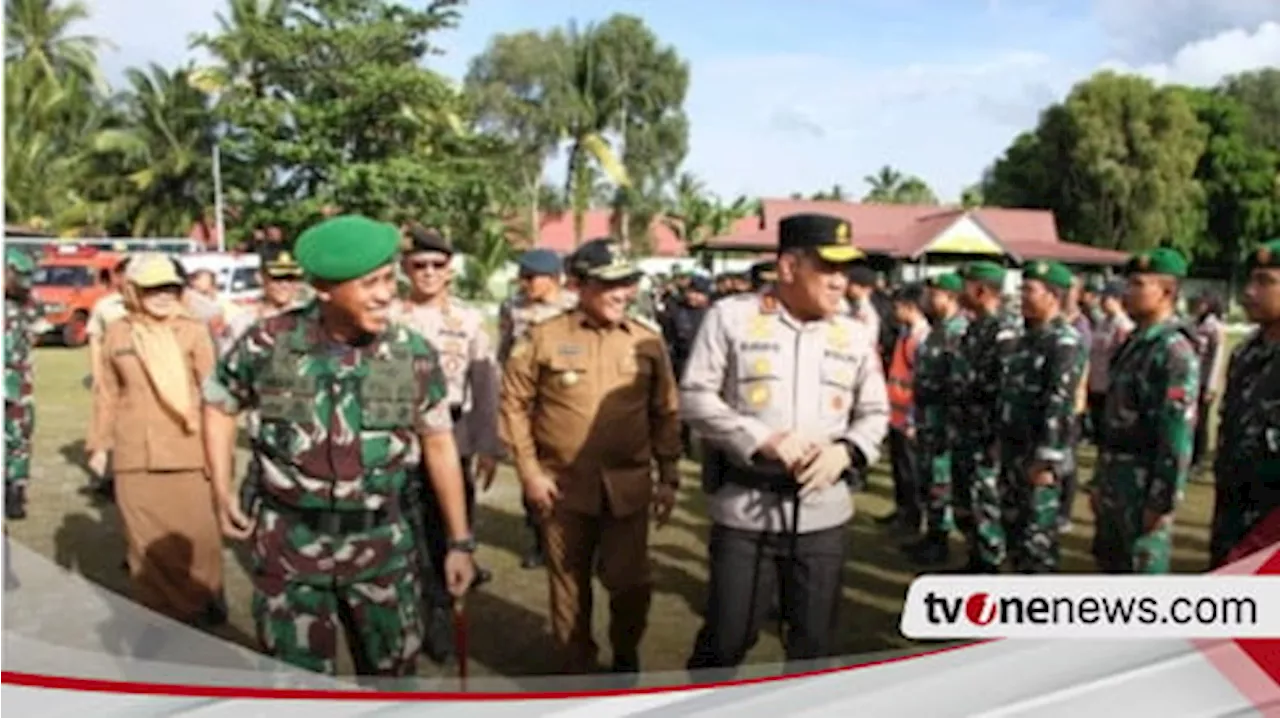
(387, 402)
(565, 377)
(759, 382)
(837, 377)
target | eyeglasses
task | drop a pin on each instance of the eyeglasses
(419, 265)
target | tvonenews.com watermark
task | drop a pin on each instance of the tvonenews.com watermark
(945, 607)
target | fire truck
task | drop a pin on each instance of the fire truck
(68, 281)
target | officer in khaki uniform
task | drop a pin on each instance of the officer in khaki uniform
(589, 405)
(789, 394)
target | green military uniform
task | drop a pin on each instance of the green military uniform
(338, 440)
(979, 374)
(1036, 407)
(1247, 463)
(936, 398)
(20, 315)
(1148, 427)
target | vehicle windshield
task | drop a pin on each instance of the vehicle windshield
(63, 277)
(245, 279)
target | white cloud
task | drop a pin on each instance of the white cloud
(1152, 31)
(1207, 61)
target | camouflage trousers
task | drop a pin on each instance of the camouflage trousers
(1120, 544)
(1016, 521)
(298, 622)
(948, 475)
(19, 424)
(988, 544)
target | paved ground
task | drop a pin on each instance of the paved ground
(509, 631)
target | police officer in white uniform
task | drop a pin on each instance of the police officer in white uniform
(790, 396)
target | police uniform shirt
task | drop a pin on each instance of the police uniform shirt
(755, 370)
(457, 333)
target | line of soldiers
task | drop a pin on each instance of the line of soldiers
(357, 398)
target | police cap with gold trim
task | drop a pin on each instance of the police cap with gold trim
(830, 237)
(603, 260)
(278, 263)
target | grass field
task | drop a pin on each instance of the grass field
(509, 625)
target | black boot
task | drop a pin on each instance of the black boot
(535, 558)
(15, 502)
(932, 550)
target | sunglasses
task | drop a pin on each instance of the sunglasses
(419, 265)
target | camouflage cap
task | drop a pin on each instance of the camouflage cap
(1266, 256)
(1160, 260)
(984, 271)
(1052, 273)
(950, 282)
(343, 248)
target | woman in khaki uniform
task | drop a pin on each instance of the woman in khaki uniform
(148, 415)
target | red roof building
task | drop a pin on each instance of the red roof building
(556, 232)
(911, 232)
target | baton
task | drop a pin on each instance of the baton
(460, 639)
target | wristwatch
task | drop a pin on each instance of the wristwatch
(466, 545)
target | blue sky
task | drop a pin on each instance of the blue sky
(799, 96)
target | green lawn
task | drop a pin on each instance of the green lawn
(509, 631)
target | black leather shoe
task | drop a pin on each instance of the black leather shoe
(929, 551)
(533, 559)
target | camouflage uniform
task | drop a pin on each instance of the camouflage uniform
(339, 439)
(1247, 464)
(936, 399)
(19, 402)
(1036, 407)
(1148, 428)
(980, 373)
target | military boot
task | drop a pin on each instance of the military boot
(535, 558)
(15, 502)
(932, 550)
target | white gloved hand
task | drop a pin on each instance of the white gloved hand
(824, 470)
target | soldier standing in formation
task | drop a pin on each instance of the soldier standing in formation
(541, 297)
(1036, 408)
(788, 392)
(980, 373)
(19, 381)
(1149, 423)
(567, 388)
(937, 399)
(1247, 465)
(281, 287)
(903, 452)
(349, 405)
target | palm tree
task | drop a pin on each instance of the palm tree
(247, 24)
(913, 190)
(164, 149)
(884, 185)
(36, 35)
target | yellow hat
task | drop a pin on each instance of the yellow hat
(148, 271)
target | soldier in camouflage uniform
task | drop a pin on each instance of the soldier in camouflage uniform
(20, 316)
(979, 373)
(1148, 424)
(1036, 407)
(1247, 465)
(936, 397)
(541, 297)
(349, 404)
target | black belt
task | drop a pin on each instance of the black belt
(455, 412)
(333, 521)
(772, 483)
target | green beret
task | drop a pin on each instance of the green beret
(20, 261)
(984, 271)
(1266, 256)
(1161, 260)
(348, 247)
(951, 282)
(1052, 273)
